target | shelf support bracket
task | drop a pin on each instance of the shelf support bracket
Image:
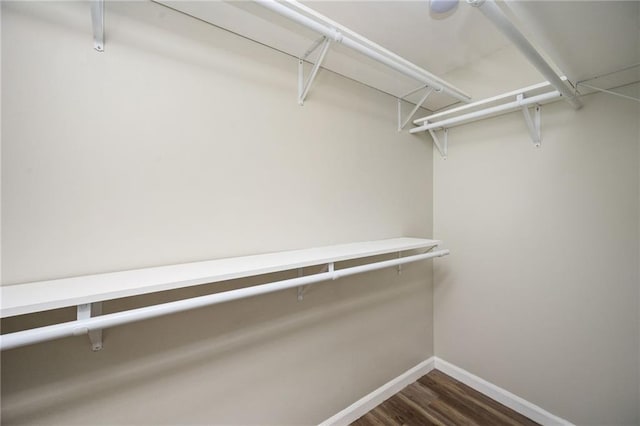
(441, 145)
(402, 123)
(533, 123)
(303, 288)
(97, 21)
(303, 87)
(86, 311)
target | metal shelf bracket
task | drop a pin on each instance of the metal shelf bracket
(441, 145)
(87, 311)
(303, 87)
(97, 21)
(303, 288)
(533, 123)
(401, 122)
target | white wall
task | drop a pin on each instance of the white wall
(184, 142)
(540, 293)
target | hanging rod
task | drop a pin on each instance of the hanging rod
(477, 115)
(512, 94)
(90, 324)
(492, 11)
(297, 12)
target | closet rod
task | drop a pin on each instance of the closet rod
(84, 326)
(360, 44)
(476, 115)
(481, 102)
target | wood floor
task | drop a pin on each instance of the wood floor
(437, 399)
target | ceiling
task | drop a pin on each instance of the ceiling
(586, 39)
(583, 38)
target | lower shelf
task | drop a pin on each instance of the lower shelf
(89, 321)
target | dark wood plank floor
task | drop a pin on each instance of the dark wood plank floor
(437, 399)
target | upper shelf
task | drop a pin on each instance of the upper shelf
(529, 91)
(521, 99)
(44, 295)
(292, 27)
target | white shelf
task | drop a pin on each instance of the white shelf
(45, 295)
(529, 91)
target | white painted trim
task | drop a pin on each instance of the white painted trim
(386, 391)
(378, 396)
(503, 396)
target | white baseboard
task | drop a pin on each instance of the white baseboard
(386, 391)
(378, 396)
(503, 396)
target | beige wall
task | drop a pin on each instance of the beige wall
(540, 293)
(183, 142)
